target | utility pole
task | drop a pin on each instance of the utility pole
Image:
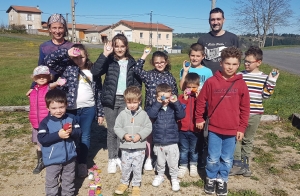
(213, 4)
(157, 35)
(67, 19)
(73, 21)
(150, 34)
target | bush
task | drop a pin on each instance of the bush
(17, 28)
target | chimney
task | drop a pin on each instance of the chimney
(38, 7)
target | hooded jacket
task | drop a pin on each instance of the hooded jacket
(138, 123)
(56, 150)
(231, 115)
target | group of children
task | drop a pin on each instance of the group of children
(170, 126)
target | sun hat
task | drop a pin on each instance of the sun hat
(41, 70)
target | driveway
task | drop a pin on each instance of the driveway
(287, 59)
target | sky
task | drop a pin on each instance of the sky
(184, 16)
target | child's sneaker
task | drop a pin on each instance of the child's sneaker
(136, 191)
(148, 165)
(121, 189)
(112, 167)
(175, 185)
(237, 168)
(193, 171)
(118, 163)
(247, 171)
(82, 170)
(210, 186)
(221, 188)
(157, 180)
(181, 171)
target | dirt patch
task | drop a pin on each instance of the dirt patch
(279, 177)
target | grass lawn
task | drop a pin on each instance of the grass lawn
(19, 57)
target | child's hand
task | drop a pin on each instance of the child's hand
(274, 74)
(239, 136)
(147, 51)
(186, 93)
(197, 92)
(61, 81)
(136, 138)
(63, 134)
(200, 125)
(162, 99)
(108, 49)
(184, 67)
(127, 138)
(28, 92)
(100, 120)
(74, 52)
(173, 98)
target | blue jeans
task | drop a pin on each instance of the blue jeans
(220, 155)
(85, 117)
(188, 148)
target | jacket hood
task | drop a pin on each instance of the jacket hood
(235, 77)
(136, 112)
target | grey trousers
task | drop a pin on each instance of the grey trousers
(67, 172)
(132, 161)
(169, 154)
(244, 148)
(113, 142)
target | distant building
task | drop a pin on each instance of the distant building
(139, 32)
(23, 15)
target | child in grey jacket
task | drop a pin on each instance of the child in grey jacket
(132, 126)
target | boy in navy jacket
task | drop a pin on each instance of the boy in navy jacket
(57, 133)
(165, 133)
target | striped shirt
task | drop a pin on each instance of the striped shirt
(260, 87)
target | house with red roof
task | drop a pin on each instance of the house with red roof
(24, 15)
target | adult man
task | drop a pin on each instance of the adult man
(216, 40)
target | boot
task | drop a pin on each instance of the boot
(247, 171)
(40, 165)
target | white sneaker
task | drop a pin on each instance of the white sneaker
(157, 180)
(148, 165)
(112, 167)
(118, 163)
(193, 171)
(181, 171)
(175, 185)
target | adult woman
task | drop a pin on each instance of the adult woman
(58, 30)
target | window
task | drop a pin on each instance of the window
(167, 36)
(159, 36)
(29, 17)
(141, 35)
(29, 26)
(11, 17)
(150, 35)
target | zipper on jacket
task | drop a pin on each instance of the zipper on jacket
(37, 106)
(191, 109)
(51, 152)
(65, 143)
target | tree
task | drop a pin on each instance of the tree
(261, 16)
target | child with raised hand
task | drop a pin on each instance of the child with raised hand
(165, 112)
(117, 65)
(261, 86)
(83, 93)
(188, 133)
(227, 96)
(160, 74)
(196, 55)
(38, 110)
(57, 134)
(132, 126)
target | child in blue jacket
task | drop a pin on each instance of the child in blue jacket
(165, 133)
(57, 133)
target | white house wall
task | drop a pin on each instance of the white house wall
(21, 18)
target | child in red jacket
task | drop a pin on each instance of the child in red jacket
(189, 134)
(228, 119)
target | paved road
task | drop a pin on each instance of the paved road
(284, 59)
